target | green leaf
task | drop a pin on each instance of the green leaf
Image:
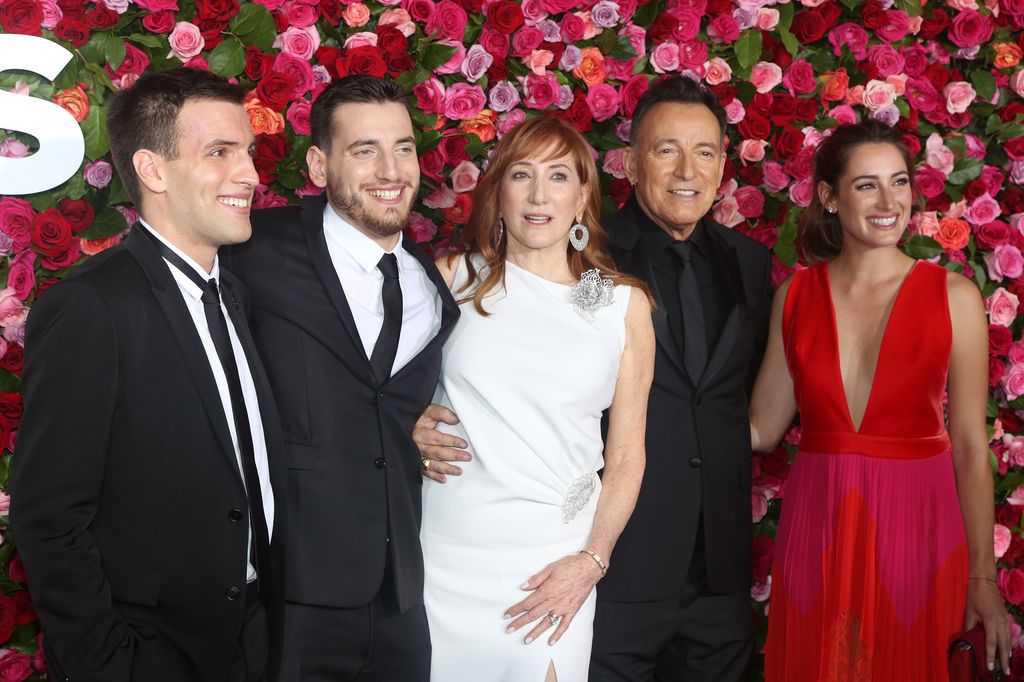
(623, 49)
(93, 51)
(68, 77)
(426, 139)
(785, 15)
(852, 4)
(94, 128)
(984, 84)
(748, 47)
(1008, 131)
(785, 247)
(117, 193)
(789, 41)
(254, 25)
(146, 40)
(74, 188)
(43, 201)
(9, 383)
(410, 78)
(107, 223)
(228, 58)
(965, 171)
(434, 55)
(922, 247)
(474, 146)
(291, 178)
(606, 41)
(114, 51)
(646, 15)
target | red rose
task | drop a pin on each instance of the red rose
(764, 554)
(999, 339)
(453, 147)
(78, 212)
(761, 104)
(754, 127)
(74, 31)
(578, 113)
(26, 611)
(471, 6)
(366, 59)
(787, 142)
(14, 359)
(751, 175)
(505, 16)
(799, 165)
(270, 151)
(781, 112)
(1012, 200)
(159, 22)
(724, 28)
(51, 233)
(662, 28)
(809, 26)
(135, 61)
(872, 16)
(15, 667)
(448, 21)
(257, 64)
(211, 30)
(1011, 422)
(1010, 111)
(101, 16)
(495, 42)
(221, 10)
(398, 63)
(332, 11)
(459, 213)
(806, 110)
(63, 260)
(1008, 514)
(276, 90)
(8, 615)
(432, 164)
(498, 71)
(1011, 584)
(631, 91)
(996, 369)
(934, 25)
(778, 52)
(620, 191)
(938, 75)
(16, 570)
(22, 16)
(390, 39)
(1015, 148)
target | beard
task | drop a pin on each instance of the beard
(358, 212)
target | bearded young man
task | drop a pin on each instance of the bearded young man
(350, 316)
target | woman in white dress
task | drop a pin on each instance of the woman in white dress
(550, 336)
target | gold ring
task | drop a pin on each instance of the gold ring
(426, 464)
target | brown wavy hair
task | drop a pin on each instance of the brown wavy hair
(553, 138)
(819, 234)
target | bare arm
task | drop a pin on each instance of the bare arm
(773, 404)
(968, 391)
(564, 584)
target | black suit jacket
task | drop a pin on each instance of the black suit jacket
(353, 468)
(698, 433)
(125, 489)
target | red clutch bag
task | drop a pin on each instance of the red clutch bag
(967, 658)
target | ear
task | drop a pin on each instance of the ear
(151, 171)
(825, 193)
(316, 161)
(629, 165)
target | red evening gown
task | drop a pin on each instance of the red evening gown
(871, 563)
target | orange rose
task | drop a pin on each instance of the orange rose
(481, 125)
(263, 119)
(953, 233)
(356, 14)
(834, 85)
(1008, 55)
(591, 69)
(91, 247)
(74, 101)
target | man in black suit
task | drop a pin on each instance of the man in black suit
(143, 485)
(675, 602)
(350, 317)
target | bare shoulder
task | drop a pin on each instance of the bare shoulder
(639, 304)
(964, 296)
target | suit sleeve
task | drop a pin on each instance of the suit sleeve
(763, 312)
(70, 387)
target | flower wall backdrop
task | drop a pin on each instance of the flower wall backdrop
(946, 73)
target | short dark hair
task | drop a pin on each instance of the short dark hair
(145, 115)
(676, 89)
(819, 234)
(355, 89)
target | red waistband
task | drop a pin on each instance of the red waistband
(892, 447)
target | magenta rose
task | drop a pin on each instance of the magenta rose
(1004, 262)
(749, 201)
(896, 28)
(982, 210)
(16, 216)
(915, 59)
(15, 667)
(158, 5)
(1011, 584)
(799, 77)
(429, 96)
(526, 41)
(887, 61)
(688, 27)
(970, 28)
(990, 235)
(693, 54)
(931, 182)
(495, 42)
(21, 276)
(775, 178)
(852, 36)
(301, 14)
(922, 95)
(421, 11)
(299, 70)
(448, 21)
(420, 228)
(454, 64)
(298, 117)
(723, 29)
(603, 101)
(464, 101)
(541, 91)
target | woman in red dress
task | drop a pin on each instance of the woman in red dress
(885, 542)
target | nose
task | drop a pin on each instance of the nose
(885, 198)
(538, 193)
(387, 166)
(685, 167)
(246, 172)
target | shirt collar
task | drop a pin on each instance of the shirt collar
(180, 277)
(363, 250)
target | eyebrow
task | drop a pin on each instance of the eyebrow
(222, 143)
(532, 163)
(876, 177)
(672, 140)
(376, 143)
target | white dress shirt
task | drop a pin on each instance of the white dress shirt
(355, 257)
(193, 300)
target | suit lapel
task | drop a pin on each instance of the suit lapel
(727, 266)
(316, 242)
(168, 296)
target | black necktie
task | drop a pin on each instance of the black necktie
(386, 347)
(695, 347)
(222, 342)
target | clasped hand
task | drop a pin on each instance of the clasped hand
(439, 449)
(560, 589)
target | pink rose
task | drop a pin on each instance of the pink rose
(765, 76)
(734, 112)
(878, 94)
(465, 176)
(510, 120)
(752, 151)
(476, 63)
(723, 29)
(52, 13)
(400, 19)
(1004, 262)
(464, 101)
(420, 228)
(767, 19)
(526, 40)
(938, 155)
(430, 96)
(442, 197)
(15, 667)
(298, 117)
(298, 42)
(775, 178)
(535, 11)
(843, 113)
(931, 182)
(603, 101)
(636, 36)
(1001, 540)
(356, 14)
(13, 149)
(749, 202)
(897, 28)
(717, 71)
(852, 36)
(16, 221)
(363, 39)
(982, 210)
(12, 311)
(727, 213)
(959, 95)
(299, 13)
(448, 22)
(299, 70)
(1017, 83)
(613, 162)
(799, 77)
(537, 61)
(541, 91)
(969, 29)
(21, 277)
(453, 65)
(886, 60)
(665, 57)
(186, 41)
(1002, 307)
(262, 197)
(800, 192)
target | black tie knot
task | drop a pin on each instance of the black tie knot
(683, 251)
(388, 266)
(211, 294)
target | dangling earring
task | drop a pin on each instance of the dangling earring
(579, 241)
(501, 228)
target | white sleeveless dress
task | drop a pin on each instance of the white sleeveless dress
(529, 383)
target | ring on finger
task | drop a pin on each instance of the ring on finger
(553, 619)
(426, 464)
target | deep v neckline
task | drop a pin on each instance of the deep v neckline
(881, 347)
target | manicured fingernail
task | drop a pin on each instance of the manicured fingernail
(991, 665)
(510, 629)
(524, 586)
(507, 616)
(527, 640)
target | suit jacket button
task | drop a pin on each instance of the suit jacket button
(696, 462)
(233, 593)
(235, 515)
(697, 400)
(380, 462)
